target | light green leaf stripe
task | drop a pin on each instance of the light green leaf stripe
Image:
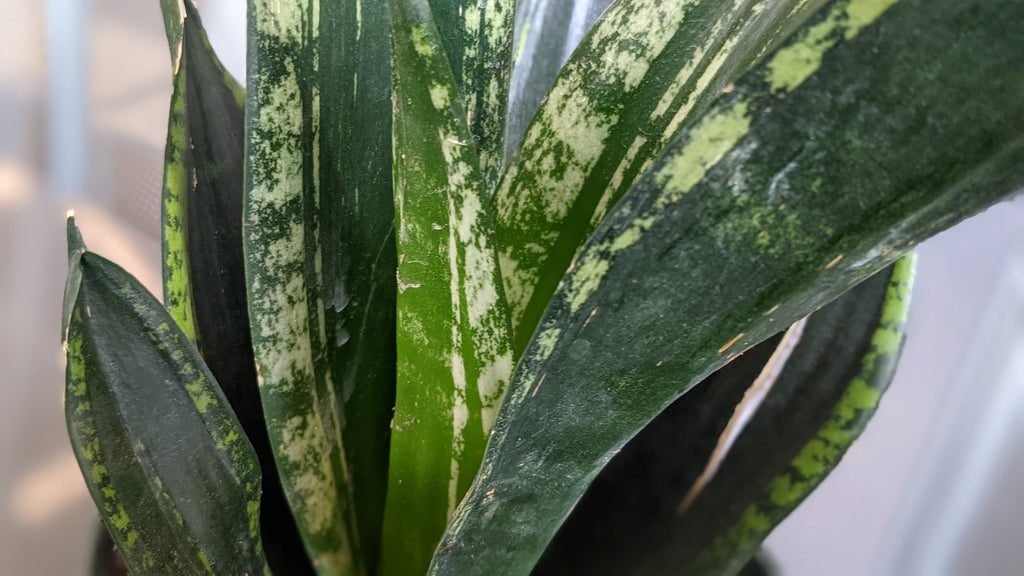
(454, 337)
(178, 169)
(820, 455)
(643, 71)
(177, 284)
(284, 257)
(477, 37)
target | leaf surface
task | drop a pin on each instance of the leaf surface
(638, 77)
(454, 337)
(477, 38)
(867, 132)
(208, 233)
(177, 284)
(770, 486)
(700, 486)
(357, 219)
(164, 458)
(283, 239)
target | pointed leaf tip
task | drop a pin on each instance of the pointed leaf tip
(76, 247)
(75, 243)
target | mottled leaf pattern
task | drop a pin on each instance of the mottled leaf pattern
(211, 233)
(794, 186)
(811, 423)
(639, 76)
(173, 213)
(477, 38)
(547, 31)
(284, 255)
(174, 478)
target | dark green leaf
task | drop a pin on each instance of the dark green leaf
(869, 131)
(759, 565)
(688, 477)
(166, 462)
(810, 423)
(357, 219)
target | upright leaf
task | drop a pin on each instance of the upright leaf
(477, 37)
(357, 219)
(865, 133)
(173, 12)
(211, 232)
(174, 478)
(284, 253)
(454, 339)
(722, 453)
(643, 71)
(179, 165)
(177, 285)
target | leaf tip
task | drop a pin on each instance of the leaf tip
(75, 243)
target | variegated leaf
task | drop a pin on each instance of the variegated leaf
(699, 487)
(547, 32)
(864, 134)
(454, 338)
(284, 253)
(477, 37)
(177, 284)
(639, 76)
(176, 482)
(210, 300)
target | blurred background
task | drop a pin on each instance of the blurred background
(931, 488)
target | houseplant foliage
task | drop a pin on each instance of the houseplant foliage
(398, 339)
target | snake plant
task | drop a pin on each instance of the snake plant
(404, 331)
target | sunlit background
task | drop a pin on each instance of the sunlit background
(933, 487)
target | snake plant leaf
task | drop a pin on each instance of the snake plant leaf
(177, 286)
(698, 488)
(643, 71)
(477, 38)
(454, 336)
(173, 12)
(167, 463)
(357, 222)
(755, 489)
(689, 431)
(867, 132)
(211, 232)
(217, 124)
(284, 255)
(547, 31)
